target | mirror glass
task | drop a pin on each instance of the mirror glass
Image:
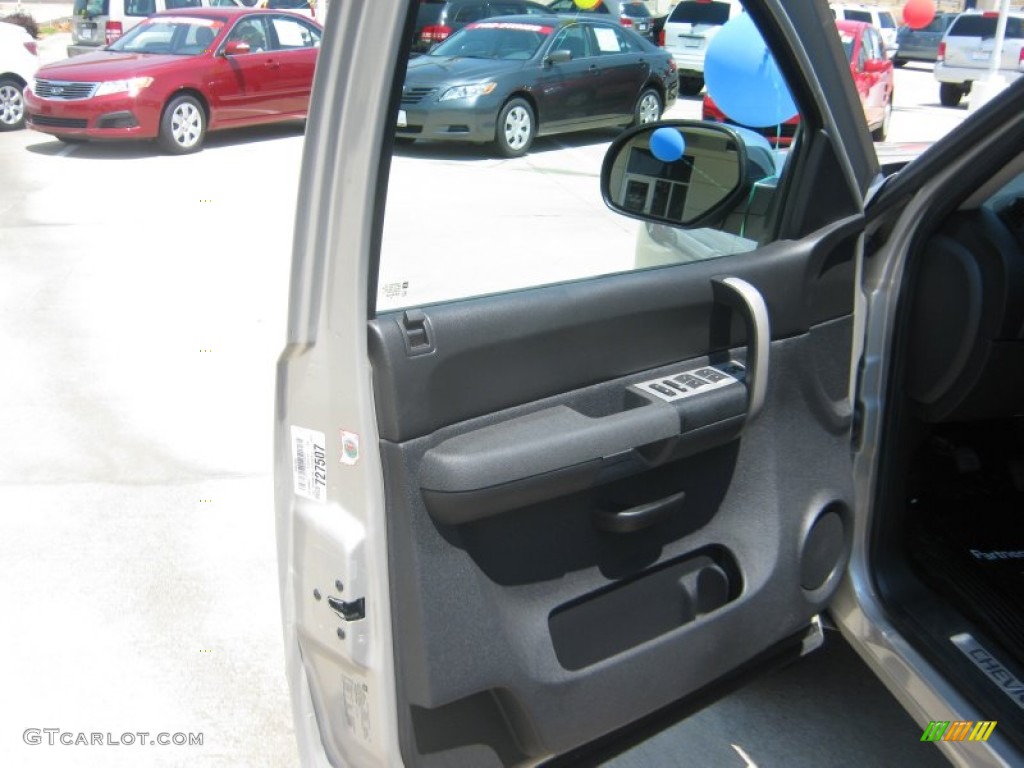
(676, 172)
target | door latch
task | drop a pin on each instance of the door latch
(349, 610)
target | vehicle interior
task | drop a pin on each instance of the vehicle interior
(950, 538)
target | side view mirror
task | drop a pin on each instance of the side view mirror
(558, 57)
(235, 47)
(875, 65)
(678, 172)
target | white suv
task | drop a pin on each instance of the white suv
(17, 67)
(965, 53)
(689, 30)
(880, 18)
(98, 23)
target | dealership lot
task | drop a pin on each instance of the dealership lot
(143, 302)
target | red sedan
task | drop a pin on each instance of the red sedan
(180, 74)
(872, 75)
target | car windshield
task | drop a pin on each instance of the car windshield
(691, 12)
(180, 36)
(91, 8)
(864, 16)
(495, 40)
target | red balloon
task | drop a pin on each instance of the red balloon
(918, 14)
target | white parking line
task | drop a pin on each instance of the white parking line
(66, 151)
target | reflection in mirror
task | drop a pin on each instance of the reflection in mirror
(676, 172)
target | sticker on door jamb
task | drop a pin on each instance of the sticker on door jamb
(349, 448)
(309, 463)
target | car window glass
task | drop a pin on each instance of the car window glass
(885, 21)
(874, 45)
(573, 39)
(468, 13)
(91, 8)
(175, 4)
(613, 40)
(494, 185)
(864, 16)
(635, 10)
(140, 7)
(250, 31)
(696, 12)
(293, 33)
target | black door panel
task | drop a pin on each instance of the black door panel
(501, 607)
(497, 599)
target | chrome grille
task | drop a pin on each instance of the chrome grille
(415, 95)
(59, 89)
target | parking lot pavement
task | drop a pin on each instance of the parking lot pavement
(142, 307)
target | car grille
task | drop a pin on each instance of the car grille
(415, 95)
(68, 91)
(59, 122)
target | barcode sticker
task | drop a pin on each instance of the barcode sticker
(309, 463)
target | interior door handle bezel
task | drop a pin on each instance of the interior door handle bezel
(736, 293)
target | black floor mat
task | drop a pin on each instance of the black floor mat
(967, 538)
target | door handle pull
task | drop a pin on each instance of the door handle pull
(747, 300)
(638, 517)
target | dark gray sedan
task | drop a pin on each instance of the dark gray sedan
(510, 79)
(921, 44)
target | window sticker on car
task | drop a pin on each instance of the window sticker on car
(309, 463)
(512, 25)
(607, 41)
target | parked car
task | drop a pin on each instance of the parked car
(872, 76)
(510, 79)
(690, 28)
(97, 23)
(629, 13)
(18, 64)
(180, 74)
(880, 17)
(921, 44)
(436, 20)
(546, 517)
(965, 53)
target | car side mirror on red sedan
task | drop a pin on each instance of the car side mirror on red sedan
(875, 66)
(235, 47)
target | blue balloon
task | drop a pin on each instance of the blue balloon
(667, 144)
(743, 79)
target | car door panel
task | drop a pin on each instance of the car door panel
(637, 558)
(535, 573)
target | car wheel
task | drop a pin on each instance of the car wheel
(882, 132)
(899, 63)
(404, 140)
(516, 128)
(648, 107)
(691, 86)
(950, 94)
(183, 126)
(12, 105)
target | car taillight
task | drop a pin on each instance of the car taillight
(626, 21)
(31, 45)
(941, 54)
(114, 31)
(1020, 59)
(435, 33)
(661, 37)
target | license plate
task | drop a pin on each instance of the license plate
(641, 27)
(690, 42)
(981, 56)
(402, 119)
(86, 32)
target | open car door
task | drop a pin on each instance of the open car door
(544, 470)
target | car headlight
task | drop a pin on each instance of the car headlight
(131, 86)
(468, 91)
